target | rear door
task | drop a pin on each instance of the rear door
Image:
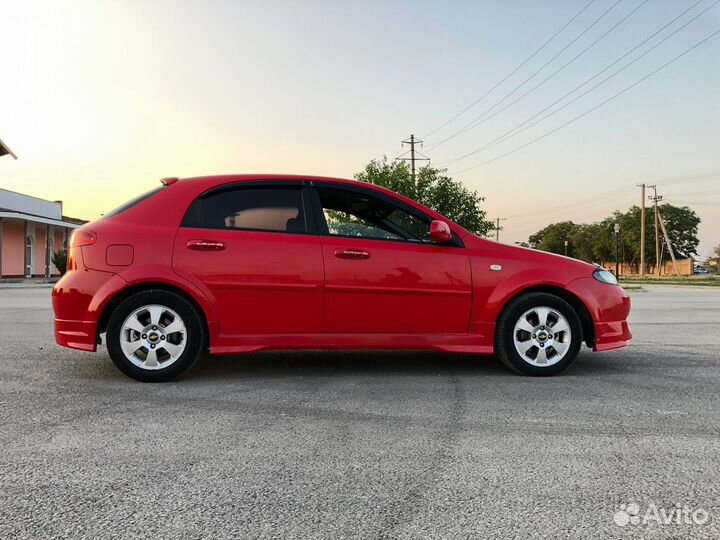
(383, 272)
(254, 246)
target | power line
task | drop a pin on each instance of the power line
(695, 202)
(607, 196)
(561, 68)
(582, 203)
(537, 51)
(700, 177)
(509, 94)
(516, 131)
(627, 88)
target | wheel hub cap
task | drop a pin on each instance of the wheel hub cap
(542, 336)
(153, 337)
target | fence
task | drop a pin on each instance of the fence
(685, 267)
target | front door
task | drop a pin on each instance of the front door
(255, 248)
(383, 272)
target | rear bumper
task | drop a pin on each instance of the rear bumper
(76, 334)
(78, 299)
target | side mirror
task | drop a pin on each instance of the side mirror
(440, 231)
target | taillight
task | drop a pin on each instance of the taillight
(82, 238)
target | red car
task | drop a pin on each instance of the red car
(234, 264)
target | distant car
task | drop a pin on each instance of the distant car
(234, 264)
(700, 269)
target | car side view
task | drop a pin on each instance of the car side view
(240, 263)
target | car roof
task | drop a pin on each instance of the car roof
(218, 180)
(222, 178)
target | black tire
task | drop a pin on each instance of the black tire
(504, 334)
(194, 337)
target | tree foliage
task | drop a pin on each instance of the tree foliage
(595, 242)
(59, 259)
(714, 260)
(432, 188)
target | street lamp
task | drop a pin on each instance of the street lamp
(617, 251)
(566, 243)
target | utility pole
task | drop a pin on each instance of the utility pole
(669, 245)
(497, 228)
(616, 230)
(655, 198)
(642, 230)
(412, 141)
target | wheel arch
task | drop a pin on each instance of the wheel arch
(586, 321)
(130, 290)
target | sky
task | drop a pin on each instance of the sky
(100, 99)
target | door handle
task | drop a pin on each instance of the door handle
(344, 253)
(205, 245)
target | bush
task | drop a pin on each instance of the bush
(60, 261)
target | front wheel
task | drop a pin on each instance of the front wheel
(154, 336)
(538, 334)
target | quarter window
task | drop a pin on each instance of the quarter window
(258, 209)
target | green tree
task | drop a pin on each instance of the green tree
(595, 242)
(553, 237)
(434, 189)
(714, 260)
(682, 227)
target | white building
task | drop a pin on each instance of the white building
(31, 231)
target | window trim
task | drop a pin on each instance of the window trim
(323, 229)
(299, 185)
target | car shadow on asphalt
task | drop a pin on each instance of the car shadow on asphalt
(368, 363)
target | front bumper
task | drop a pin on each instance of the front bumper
(611, 335)
(609, 307)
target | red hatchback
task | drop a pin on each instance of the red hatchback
(235, 264)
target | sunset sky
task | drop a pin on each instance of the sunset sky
(100, 99)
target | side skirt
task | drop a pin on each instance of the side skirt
(243, 343)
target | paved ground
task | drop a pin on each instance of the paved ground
(360, 445)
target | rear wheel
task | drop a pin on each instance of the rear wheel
(154, 336)
(538, 334)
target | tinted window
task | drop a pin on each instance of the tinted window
(350, 213)
(260, 209)
(133, 202)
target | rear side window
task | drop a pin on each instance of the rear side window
(133, 202)
(250, 209)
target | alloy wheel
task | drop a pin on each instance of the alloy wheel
(542, 336)
(153, 337)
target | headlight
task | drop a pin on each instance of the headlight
(605, 276)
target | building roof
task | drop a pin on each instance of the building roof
(38, 219)
(27, 204)
(5, 150)
(15, 205)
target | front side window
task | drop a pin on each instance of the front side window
(258, 209)
(354, 214)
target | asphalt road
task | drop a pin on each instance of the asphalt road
(363, 445)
